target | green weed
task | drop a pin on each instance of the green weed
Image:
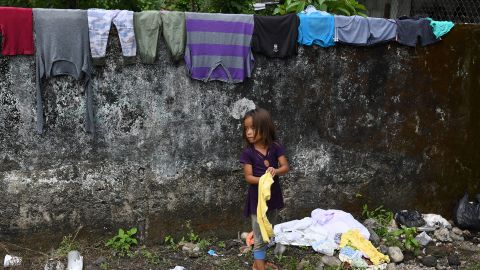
(104, 266)
(404, 238)
(123, 241)
(68, 244)
(193, 237)
(380, 214)
(151, 257)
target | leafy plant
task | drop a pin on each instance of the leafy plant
(68, 243)
(123, 241)
(346, 7)
(203, 244)
(404, 238)
(341, 7)
(104, 266)
(170, 242)
(195, 238)
(221, 244)
(380, 214)
(151, 257)
(191, 235)
(185, 5)
(230, 6)
(151, 4)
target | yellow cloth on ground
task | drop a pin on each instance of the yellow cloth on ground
(354, 239)
(263, 196)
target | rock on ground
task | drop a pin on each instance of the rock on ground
(395, 254)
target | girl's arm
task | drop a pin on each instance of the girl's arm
(282, 169)
(248, 173)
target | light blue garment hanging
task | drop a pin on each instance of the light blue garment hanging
(441, 28)
(316, 27)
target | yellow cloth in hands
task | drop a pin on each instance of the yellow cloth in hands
(264, 185)
(354, 239)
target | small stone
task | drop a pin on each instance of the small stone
(331, 261)
(443, 235)
(383, 249)
(191, 249)
(391, 266)
(457, 231)
(374, 238)
(371, 223)
(467, 233)
(395, 254)
(243, 236)
(453, 260)
(456, 237)
(302, 264)
(429, 261)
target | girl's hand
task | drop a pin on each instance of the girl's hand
(271, 170)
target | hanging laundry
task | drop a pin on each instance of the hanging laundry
(354, 239)
(363, 31)
(218, 46)
(410, 29)
(316, 27)
(264, 184)
(62, 48)
(174, 32)
(99, 23)
(381, 30)
(275, 36)
(351, 30)
(16, 28)
(147, 25)
(440, 28)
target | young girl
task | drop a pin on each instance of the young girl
(263, 153)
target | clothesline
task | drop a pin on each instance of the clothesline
(213, 46)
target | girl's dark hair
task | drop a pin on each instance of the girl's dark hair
(263, 124)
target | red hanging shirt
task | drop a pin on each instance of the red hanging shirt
(16, 28)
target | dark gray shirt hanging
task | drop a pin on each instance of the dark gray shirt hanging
(62, 48)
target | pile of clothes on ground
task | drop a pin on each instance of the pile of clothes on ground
(329, 230)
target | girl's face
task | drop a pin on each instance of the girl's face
(250, 131)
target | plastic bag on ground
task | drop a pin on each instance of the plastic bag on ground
(409, 218)
(467, 214)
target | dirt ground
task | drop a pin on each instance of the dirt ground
(98, 256)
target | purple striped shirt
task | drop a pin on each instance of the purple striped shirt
(219, 53)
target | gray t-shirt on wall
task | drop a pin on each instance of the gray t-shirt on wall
(62, 48)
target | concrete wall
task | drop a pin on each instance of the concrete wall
(399, 126)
